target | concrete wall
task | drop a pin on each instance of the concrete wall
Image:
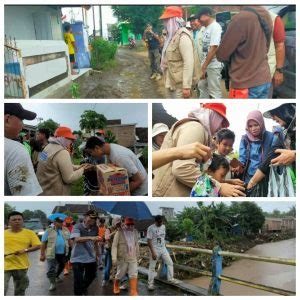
(125, 134)
(33, 22)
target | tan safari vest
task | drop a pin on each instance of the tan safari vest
(175, 62)
(52, 236)
(165, 183)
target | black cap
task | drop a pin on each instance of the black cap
(59, 220)
(204, 11)
(192, 17)
(92, 214)
(16, 109)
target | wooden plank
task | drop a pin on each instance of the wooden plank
(185, 287)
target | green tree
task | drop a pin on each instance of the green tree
(115, 33)
(139, 16)
(110, 137)
(174, 231)
(7, 210)
(188, 226)
(91, 120)
(35, 214)
(49, 124)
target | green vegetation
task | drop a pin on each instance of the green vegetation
(49, 124)
(279, 214)
(216, 222)
(75, 90)
(103, 54)
(91, 120)
(139, 16)
(110, 137)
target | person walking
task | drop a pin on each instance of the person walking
(55, 248)
(84, 253)
(18, 242)
(68, 224)
(156, 239)
(125, 253)
(55, 171)
(179, 58)
(244, 47)
(152, 41)
(210, 81)
(109, 236)
(19, 176)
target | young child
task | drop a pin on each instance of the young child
(70, 41)
(206, 184)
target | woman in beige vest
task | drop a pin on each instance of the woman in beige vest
(176, 179)
(178, 61)
(55, 170)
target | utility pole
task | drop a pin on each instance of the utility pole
(100, 21)
(94, 27)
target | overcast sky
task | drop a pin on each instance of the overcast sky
(236, 113)
(69, 114)
(48, 206)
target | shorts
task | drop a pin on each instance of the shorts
(72, 58)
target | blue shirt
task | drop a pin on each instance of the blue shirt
(60, 242)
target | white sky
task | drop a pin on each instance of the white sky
(69, 114)
(48, 206)
(236, 113)
(107, 17)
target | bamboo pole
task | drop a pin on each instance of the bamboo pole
(277, 260)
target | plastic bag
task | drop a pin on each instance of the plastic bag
(280, 182)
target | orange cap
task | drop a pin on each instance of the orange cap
(171, 12)
(65, 132)
(68, 219)
(129, 221)
(219, 108)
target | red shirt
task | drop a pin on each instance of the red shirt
(279, 31)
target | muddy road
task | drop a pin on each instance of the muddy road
(129, 79)
(280, 276)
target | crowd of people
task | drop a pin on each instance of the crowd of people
(192, 55)
(193, 157)
(83, 248)
(42, 164)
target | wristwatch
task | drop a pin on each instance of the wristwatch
(280, 70)
(26, 250)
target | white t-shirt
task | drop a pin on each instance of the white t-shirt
(157, 235)
(125, 158)
(211, 36)
(19, 176)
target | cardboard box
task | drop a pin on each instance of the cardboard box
(113, 180)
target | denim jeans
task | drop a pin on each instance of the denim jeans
(260, 92)
(108, 264)
(84, 274)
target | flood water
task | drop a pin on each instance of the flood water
(275, 275)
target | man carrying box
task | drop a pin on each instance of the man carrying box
(124, 158)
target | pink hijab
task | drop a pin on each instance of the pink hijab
(256, 116)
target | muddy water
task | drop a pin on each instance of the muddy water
(280, 276)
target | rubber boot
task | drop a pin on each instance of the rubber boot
(117, 286)
(133, 287)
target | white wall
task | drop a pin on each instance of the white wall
(19, 21)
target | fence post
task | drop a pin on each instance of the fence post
(216, 264)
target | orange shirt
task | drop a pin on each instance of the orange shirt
(101, 232)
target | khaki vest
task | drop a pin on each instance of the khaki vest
(272, 51)
(164, 183)
(175, 62)
(52, 236)
(48, 173)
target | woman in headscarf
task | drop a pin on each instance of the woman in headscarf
(283, 151)
(55, 171)
(176, 178)
(178, 55)
(125, 254)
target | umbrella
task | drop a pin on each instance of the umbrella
(57, 215)
(132, 209)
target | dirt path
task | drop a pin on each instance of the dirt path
(129, 79)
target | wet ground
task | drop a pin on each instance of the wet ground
(276, 275)
(129, 79)
(39, 283)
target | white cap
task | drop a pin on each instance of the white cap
(159, 128)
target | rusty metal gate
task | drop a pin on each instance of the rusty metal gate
(14, 82)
